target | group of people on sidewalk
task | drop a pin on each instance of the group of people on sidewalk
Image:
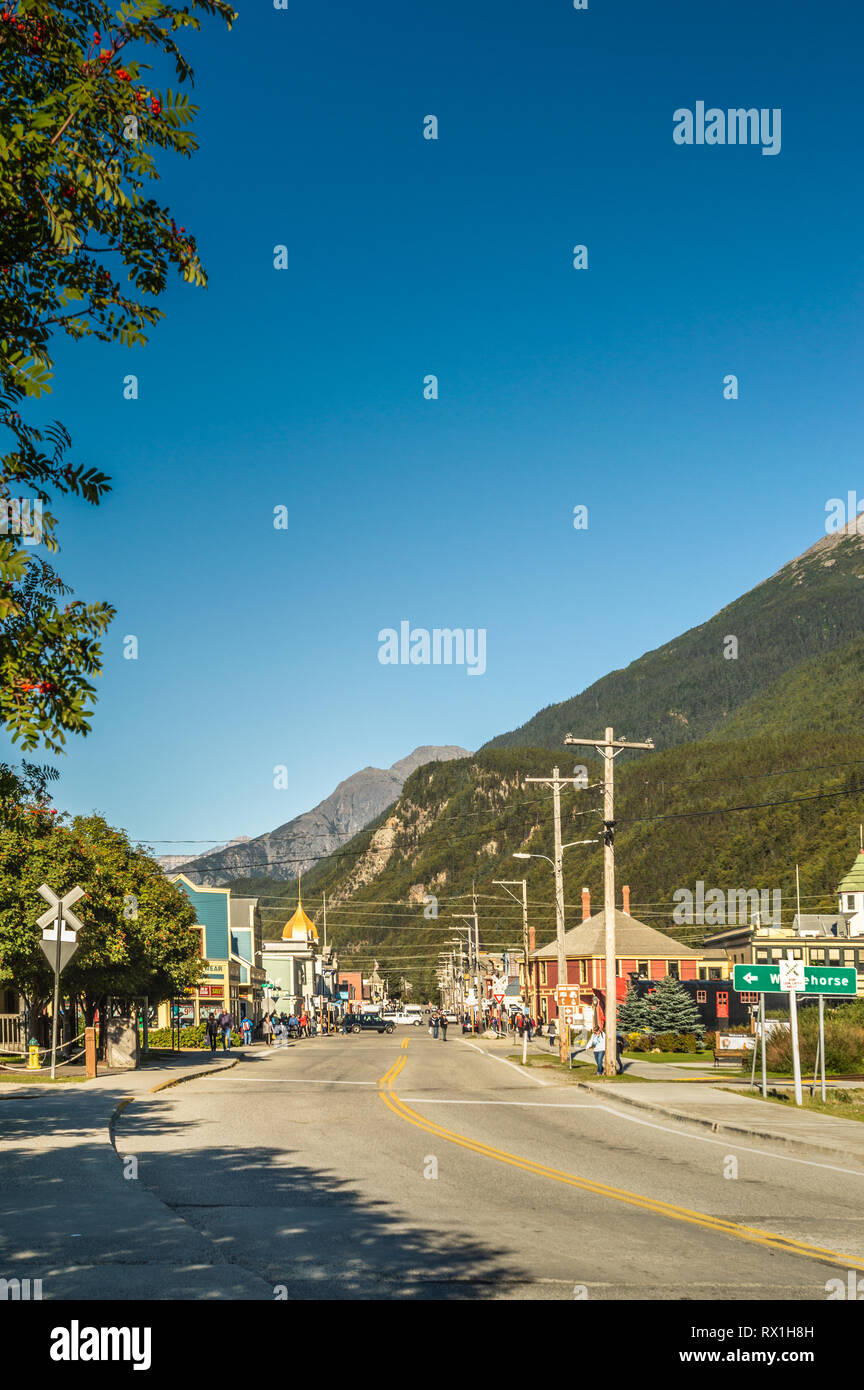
(278, 1028)
(274, 1027)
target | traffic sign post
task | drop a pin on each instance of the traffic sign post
(59, 926)
(793, 977)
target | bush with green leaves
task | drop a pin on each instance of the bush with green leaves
(844, 1044)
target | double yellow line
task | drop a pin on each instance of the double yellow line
(718, 1224)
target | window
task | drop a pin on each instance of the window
(776, 953)
(543, 973)
(833, 955)
(715, 973)
(701, 996)
(762, 955)
(817, 955)
(618, 968)
(749, 997)
(642, 969)
(583, 972)
(850, 902)
(673, 969)
(848, 957)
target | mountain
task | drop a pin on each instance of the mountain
(172, 862)
(298, 844)
(688, 687)
(743, 790)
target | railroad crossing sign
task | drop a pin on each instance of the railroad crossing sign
(817, 979)
(59, 925)
(793, 975)
(59, 916)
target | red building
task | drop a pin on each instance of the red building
(639, 949)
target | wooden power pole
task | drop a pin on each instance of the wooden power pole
(609, 748)
(556, 782)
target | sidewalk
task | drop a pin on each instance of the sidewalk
(669, 1095)
(70, 1210)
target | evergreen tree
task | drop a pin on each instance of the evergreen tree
(633, 1015)
(670, 1009)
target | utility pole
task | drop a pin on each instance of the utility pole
(609, 748)
(556, 782)
(509, 883)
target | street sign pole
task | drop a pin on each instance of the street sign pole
(789, 978)
(59, 925)
(764, 1042)
(822, 1039)
(56, 1008)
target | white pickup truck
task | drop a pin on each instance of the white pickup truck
(412, 1014)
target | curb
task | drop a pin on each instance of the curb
(716, 1126)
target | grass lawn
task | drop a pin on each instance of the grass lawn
(845, 1105)
(668, 1058)
(39, 1078)
(580, 1071)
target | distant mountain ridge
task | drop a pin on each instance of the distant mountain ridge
(298, 844)
(688, 688)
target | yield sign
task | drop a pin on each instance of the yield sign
(67, 951)
(499, 998)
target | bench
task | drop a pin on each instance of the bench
(728, 1054)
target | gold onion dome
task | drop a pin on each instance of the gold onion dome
(299, 927)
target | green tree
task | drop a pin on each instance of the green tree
(633, 1015)
(670, 1009)
(85, 250)
(137, 935)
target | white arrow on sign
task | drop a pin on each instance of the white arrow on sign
(748, 979)
(59, 909)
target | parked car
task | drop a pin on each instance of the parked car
(415, 1018)
(371, 1023)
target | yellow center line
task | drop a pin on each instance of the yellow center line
(753, 1234)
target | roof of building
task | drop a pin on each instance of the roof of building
(632, 938)
(299, 927)
(854, 880)
(820, 924)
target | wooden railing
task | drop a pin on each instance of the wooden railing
(11, 1033)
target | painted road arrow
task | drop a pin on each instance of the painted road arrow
(819, 979)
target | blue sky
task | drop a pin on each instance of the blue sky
(304, 387)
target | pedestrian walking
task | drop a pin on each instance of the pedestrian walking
(211, 1028)
(267, 1030)
(619, 1048)
(436, 1021)
(597, 1044)
(246, 1030)
(444, 1022)
(529, 1024)
(225, 1026)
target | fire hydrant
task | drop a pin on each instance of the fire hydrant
(32, 1055)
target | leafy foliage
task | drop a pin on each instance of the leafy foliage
(136, 937)
(84, 251)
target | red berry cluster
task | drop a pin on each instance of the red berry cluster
(44, 687)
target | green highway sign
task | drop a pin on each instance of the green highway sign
(819, 979)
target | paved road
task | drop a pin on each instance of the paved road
(404, 1167)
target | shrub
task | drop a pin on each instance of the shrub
(189, 1037)
(844, 1044)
